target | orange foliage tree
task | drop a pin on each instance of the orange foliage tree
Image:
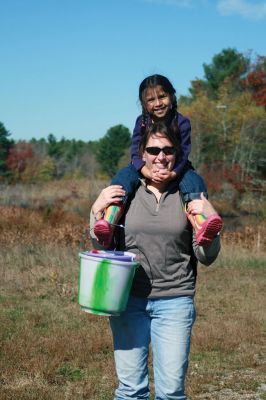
(18, 157)
(228, 139)
(256, 81)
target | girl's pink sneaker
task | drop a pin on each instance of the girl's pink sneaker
(103, 231)
(206, 232)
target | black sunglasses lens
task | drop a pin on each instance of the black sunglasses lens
(154, 151)
(168, 150)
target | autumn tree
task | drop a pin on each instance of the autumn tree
(88, 166)
(205, 135)
(228, 139)
(248, 127)
(18, 157)
(39, 147)
(45, 170)
(256, 81)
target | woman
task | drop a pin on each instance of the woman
(160, 309)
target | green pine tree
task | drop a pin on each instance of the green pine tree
(111, 148)
(5, 145)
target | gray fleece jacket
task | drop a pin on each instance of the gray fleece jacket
(162, 239)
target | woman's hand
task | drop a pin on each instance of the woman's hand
(201, 206)
(110, 195)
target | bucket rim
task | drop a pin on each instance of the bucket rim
(129, 258)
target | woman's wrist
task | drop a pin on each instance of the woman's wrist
(98, 214)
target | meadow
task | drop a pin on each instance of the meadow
(51, 350)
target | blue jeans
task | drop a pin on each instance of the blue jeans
(165, 323)
(191, 184)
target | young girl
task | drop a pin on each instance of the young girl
(158, 100)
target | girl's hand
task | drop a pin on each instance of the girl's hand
(201, 206)
(158, 175)
(162, 175)
(110, 195)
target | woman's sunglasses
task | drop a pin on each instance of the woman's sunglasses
(155, 151)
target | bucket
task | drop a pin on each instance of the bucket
(105, 280)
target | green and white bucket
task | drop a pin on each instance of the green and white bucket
(105, 280)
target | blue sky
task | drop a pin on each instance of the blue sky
(73, 67)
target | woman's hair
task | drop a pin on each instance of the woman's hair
(164, 131)
(150, 83)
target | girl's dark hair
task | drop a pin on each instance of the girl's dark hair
(165, 131)
(150, 83)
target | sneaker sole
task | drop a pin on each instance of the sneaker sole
(103, 232)
(211, 227)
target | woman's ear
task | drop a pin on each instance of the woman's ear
(143, 158)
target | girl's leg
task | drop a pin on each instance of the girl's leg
(131, 336)
(128, 178)
(171, 326)
(191, 186)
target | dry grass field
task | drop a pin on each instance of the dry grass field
(50, 350)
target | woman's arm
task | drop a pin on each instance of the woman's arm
(110, 195)
(207, 254)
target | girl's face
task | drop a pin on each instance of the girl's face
(159, 153)
(157, 102)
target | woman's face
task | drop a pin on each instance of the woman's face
(157, 102)
(164, 159)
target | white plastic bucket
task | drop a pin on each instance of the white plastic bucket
(105, 280)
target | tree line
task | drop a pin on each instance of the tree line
(46, 159)
(227, 109)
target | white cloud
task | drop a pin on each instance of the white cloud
(247, 9)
